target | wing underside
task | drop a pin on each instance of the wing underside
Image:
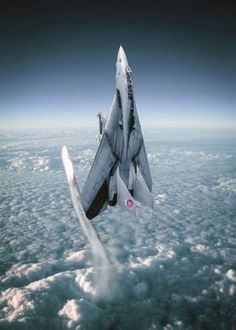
(95, 193)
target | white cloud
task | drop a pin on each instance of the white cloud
(71, 312)
(174, 265)
(231, 275)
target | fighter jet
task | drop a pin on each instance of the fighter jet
(120, 171)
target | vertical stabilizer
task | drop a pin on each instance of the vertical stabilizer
(124, 198)
(142, 194)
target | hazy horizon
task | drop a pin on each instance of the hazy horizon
(93, 124)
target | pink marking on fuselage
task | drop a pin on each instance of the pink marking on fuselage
(129, 203)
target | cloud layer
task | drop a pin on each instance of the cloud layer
(175, 266)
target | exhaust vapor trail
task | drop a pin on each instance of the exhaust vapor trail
(100, 254)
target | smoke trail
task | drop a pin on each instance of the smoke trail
(103, 262)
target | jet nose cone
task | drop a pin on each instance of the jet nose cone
(121, 50)
(121, 57)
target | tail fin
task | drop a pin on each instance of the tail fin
(124, 198)
(142, 193)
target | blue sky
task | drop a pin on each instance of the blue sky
(58, 67)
